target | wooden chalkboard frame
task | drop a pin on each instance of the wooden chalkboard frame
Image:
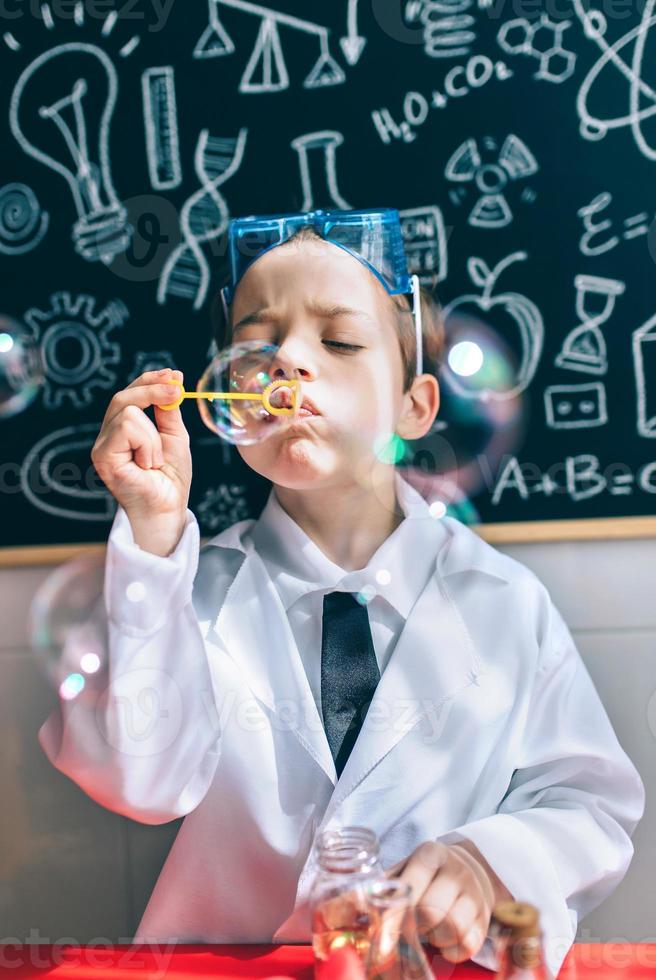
(523, 532)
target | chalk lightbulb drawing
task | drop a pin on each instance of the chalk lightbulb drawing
(70, 135)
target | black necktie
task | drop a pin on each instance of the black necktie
(349, 672)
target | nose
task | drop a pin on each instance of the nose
(290, 361)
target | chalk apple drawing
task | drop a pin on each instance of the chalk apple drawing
(524, 314)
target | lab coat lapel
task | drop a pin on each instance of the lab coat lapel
(254, 628)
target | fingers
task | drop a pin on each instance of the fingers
(461, 930)
(422, 866)
(130, 435)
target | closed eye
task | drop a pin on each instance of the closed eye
(349, 347)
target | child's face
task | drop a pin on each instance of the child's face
(302, 294)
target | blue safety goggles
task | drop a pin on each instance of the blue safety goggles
(373, 237)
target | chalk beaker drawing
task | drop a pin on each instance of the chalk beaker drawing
(316, 158)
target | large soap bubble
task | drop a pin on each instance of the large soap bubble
(21, 374)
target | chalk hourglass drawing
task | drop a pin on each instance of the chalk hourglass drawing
(51, 115)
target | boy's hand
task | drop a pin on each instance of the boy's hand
(454, 891)
(146, 466)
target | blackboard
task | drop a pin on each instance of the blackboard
(518, 140)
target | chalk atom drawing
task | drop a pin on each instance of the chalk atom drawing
(584, 348)
(576, 406)
(22, 222)
(77, 354)
(514, 161)
(161, 127)
(643, 345)
(204, 216)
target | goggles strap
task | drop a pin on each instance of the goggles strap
(416, 312)
(226, 315)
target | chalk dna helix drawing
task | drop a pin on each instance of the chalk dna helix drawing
(641, 96)
(22, 222)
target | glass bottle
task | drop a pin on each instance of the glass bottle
(348, 861)
(518, 941)
(395, 950)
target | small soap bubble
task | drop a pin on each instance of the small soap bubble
(67, 624)
(383, 577)
(437, 509)
(251, 370)
(136, 591)
(21, 374)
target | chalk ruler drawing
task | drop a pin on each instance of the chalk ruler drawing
(161, 127)
(204, 216)
(316, 160)
(77, 354)
(101, 230)
(22, 222)
(42, 481)
(543, 41)
(514, 161)
(594, 240)
(266, 70)
(576, 406)
(523, 313)
(584, 347)
(643, 344)
(641, 95)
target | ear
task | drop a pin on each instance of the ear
(420, 406)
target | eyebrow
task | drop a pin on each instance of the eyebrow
(329, 312)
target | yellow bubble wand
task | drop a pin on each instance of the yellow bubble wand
(264, 396)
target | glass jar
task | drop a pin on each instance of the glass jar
(518, 941)
(395, 950)
(349, 863)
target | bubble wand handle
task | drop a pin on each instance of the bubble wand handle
(263, 396)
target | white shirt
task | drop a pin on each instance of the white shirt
(303, 574)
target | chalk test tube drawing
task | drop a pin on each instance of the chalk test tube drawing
(584, 347)
(522, 314)
(222, 506)
(316, 159)
(542, 40)
(77, 353)
(266, 70)
(22, 222)
(204, 216)
(641, 96)
(514, 161)
(576, 406)
(161, 127)
(643, 343)
(594, 240)
(101, 229)
(424, 237)
(447, 26)
(41, 476)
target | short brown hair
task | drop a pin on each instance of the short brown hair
(431, 317)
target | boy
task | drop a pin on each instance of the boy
(237, 685)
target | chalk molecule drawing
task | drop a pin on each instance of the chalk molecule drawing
(641, 95)
(543, 41)
(77, 354)
(266, 70)
(522, 314)
(514, 161)
(22, 222)
(204, 217)
(102, 229)
(584, 347)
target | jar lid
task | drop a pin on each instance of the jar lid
(520, 919)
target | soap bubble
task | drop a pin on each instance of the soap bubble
(248, 369)
(21, 374)
(67, 625)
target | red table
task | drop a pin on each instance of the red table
(603, 961)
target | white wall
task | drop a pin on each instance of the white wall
(69, 868)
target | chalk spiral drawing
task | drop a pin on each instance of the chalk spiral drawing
(543, 41)
(266, 70)
(77, 354)
(576, 406)
(161, 127)
(514, 161)
(584, 348)
(643, 345)
(521, 311)
(22, 222)
(641, 96)
(101, 229)
(447, 26)
(42, 477)
(635, 226)
(320, 147)
(204, 216)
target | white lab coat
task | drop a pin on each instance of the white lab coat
(485, 725)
